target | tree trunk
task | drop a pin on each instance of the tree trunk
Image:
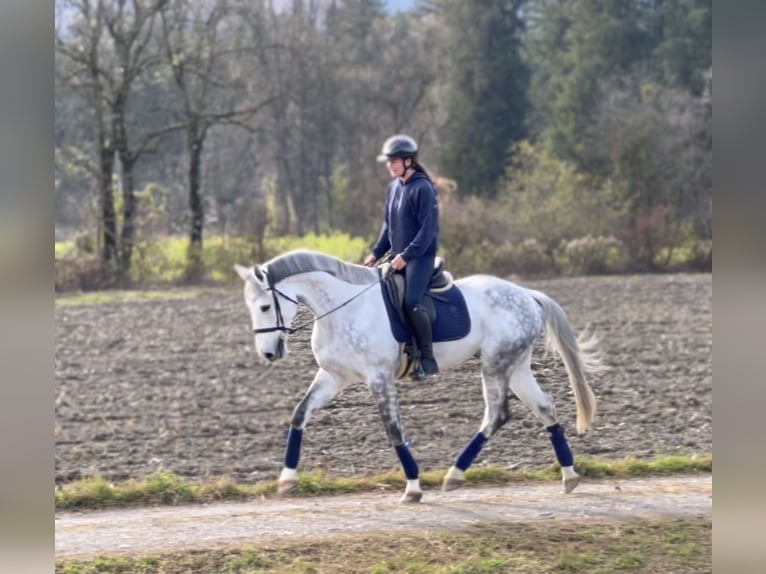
(108, 219)
(195, 139)
(285, 184)
(283, 194)
(103, 153)
(128, 220)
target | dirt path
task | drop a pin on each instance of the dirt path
(165, 529)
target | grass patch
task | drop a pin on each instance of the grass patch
(163, 260)
(102, 297)
(550, 547)
(166, 488)
(64, 248)
(632, 467)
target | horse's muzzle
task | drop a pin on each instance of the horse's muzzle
(278, 353)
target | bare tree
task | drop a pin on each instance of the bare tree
(130, 24)
(80, 43)
(196, 50)
(289, 61)
(111, 45)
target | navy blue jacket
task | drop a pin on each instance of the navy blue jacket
(411, 219)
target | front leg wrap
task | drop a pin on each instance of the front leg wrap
(288, 479)
(293, 449)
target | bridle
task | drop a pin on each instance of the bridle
(280, 326)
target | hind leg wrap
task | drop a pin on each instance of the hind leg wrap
(471, 451)
(412, 492)
(408, 462)
(560, 445)
(455, 477)
(495, 416)
(569, 477)
(524, 385)
(384, 394)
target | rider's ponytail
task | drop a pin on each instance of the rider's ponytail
(419, 166)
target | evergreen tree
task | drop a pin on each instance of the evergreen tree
(684, 52)
(487, 90)
(580, 44)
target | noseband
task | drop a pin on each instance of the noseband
(280, 326)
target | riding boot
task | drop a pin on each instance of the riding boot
(421, 331)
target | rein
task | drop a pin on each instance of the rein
(280, 326)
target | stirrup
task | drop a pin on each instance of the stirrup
(417, 373)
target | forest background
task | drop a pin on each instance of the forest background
(568, 136)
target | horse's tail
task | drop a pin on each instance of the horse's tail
(579, 356)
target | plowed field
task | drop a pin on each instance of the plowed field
(174, 384)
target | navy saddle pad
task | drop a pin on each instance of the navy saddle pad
(452, 319)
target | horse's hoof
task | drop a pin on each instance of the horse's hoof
(570, 484)
(286, 487)
(411, 497)
(452, 484)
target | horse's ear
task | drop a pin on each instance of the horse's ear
(242, 271)
(258, 273)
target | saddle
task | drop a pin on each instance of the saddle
(441, 290)
(393, 287)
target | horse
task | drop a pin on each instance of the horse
(350, 343)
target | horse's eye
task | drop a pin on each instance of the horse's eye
(265, 308)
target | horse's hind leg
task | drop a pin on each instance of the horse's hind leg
(324, 387)
(495, 388)
(525, 386)
(384, 393)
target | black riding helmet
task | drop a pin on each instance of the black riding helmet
(400, 146)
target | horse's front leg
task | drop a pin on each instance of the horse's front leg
(384, 392)
(324, 387)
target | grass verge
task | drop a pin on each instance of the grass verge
(166, 488)
(102, 297)
(553, 546)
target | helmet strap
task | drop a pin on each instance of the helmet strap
(407, 169)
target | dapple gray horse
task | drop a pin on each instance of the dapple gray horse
(351, 341)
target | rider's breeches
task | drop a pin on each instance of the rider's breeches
(417, 275)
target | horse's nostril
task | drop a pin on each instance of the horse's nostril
(269, 356)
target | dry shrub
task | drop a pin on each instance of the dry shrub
(531, 260)
(470, 232)
(594, 255)
(701, 255)
(81, 274)
(477, 237)
(655, 229)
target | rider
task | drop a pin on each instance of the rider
(411, 232)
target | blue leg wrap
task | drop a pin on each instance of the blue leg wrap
(408, 463)
(293, 450)
(560, 445)
(471, 451)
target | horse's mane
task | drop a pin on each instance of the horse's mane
(294, 262)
